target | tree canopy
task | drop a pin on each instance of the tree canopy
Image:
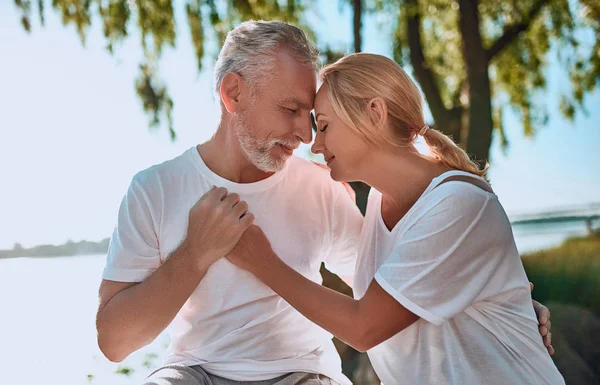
(472, 59)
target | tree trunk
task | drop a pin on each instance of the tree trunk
(361, 189)
(446, 120)
(452, 124)
(357, 8)
(480, 123)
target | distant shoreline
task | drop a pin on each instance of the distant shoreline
(69, 249)
(4, 257)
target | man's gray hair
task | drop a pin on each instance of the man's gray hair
(249, 50)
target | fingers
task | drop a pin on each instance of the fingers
(208, 193)
(542, 312)
(551, 350)
(231, 200)
(530, 286)
(219, 193)
(545, 329)
(247, 220)
(240, 208)
(548, 340)
(544, 315)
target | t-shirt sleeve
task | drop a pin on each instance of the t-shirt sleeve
(346, 223)
(437, 269)
(133, 251)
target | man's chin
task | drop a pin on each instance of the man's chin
(274, 164)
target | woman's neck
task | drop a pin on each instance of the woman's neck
(401, 177)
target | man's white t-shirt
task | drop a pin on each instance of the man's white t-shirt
(232, 324)
(452, 261)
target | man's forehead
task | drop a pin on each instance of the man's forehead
(321, 94)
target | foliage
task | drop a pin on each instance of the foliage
(155, 22)
(471, 61)
(569, 273)
(517, 37)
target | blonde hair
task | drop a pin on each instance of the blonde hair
(356, 79)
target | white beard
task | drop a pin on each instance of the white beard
(259, 151)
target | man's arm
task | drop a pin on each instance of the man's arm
(131, 315)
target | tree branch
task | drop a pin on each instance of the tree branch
(423, 73)
(511, 32)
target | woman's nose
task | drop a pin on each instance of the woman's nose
(318, 146)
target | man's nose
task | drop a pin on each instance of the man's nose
(304, 130)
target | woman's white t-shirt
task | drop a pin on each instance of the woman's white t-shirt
(452, 261)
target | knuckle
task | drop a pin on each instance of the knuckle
(195, 211)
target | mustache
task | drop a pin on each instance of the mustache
(291, 144)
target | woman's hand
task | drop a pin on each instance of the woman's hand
(253, 251)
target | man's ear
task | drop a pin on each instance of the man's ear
(231, 91)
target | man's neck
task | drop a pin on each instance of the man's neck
(223, 155)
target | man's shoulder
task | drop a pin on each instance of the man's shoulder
(154, 175)
(311, 170)
(316, 177)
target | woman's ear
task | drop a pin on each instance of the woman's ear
(378, 112)
(231, 91)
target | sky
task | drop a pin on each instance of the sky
(73, 133)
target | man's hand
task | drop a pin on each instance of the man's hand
(253, 252)
(543, 314)
(131, 315)
(216, 223)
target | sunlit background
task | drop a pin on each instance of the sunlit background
(73, 133)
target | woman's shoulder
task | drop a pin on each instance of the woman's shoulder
(462, 189)
(455, 198)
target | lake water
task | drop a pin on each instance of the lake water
(47, 332)
(542, 236)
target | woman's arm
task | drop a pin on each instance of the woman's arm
(361, 324)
